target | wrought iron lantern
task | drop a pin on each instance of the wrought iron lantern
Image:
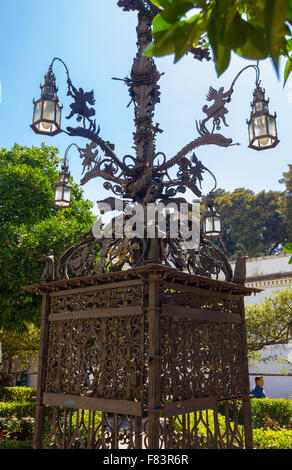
(262, 125)
(63, 189)
(47, 110)
(211, 219)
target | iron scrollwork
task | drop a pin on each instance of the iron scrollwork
(144, 177)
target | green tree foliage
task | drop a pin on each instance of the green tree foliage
(254, 224)
(253, 29)
(269, 323)
(20, 351)
(288, 249)
(30, 226)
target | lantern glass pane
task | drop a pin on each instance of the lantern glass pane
(209, 224)
(265, 142)
(260, 127)
(250, 131)
(49, 110)
(272, 126)
(46, 127)
(217, 224)
(62, 204)
(67, 193)
(59, 193)
(58, 115)
(259, 106)
(37, 111)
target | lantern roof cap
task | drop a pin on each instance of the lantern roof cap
(259, 94)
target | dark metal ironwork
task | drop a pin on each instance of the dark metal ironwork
(144, 177)
(141, 357)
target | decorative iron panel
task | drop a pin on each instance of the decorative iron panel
(89, 429)
(97, 357)
(202, 429)
(172, 294)
(200, 359)
(142, 363)
(97, 299)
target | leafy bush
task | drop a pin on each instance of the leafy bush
(6, 444)
(18, 394)
(276, 409)
(18, 410)
(270, 439)
(16, 429)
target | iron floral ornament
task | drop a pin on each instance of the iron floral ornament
(144, 177)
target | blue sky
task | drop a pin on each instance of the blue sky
(97, 40)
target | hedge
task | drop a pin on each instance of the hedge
(269, 439)
(7, 444)
(18, 394)
(18, 410)
(279, 410)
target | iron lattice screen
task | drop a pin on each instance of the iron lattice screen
(142, 362)
(200, 359)
(98, 357)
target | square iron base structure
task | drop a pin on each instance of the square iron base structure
(143, 358)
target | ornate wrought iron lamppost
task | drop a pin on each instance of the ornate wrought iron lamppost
(150, 325)
(144, 177)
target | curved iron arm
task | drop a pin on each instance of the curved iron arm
(206, 137)
(69, 82)
(257, 70)
(94, 137)
(87, 133)
(230, 91)
(67, 150)
(215, 180)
